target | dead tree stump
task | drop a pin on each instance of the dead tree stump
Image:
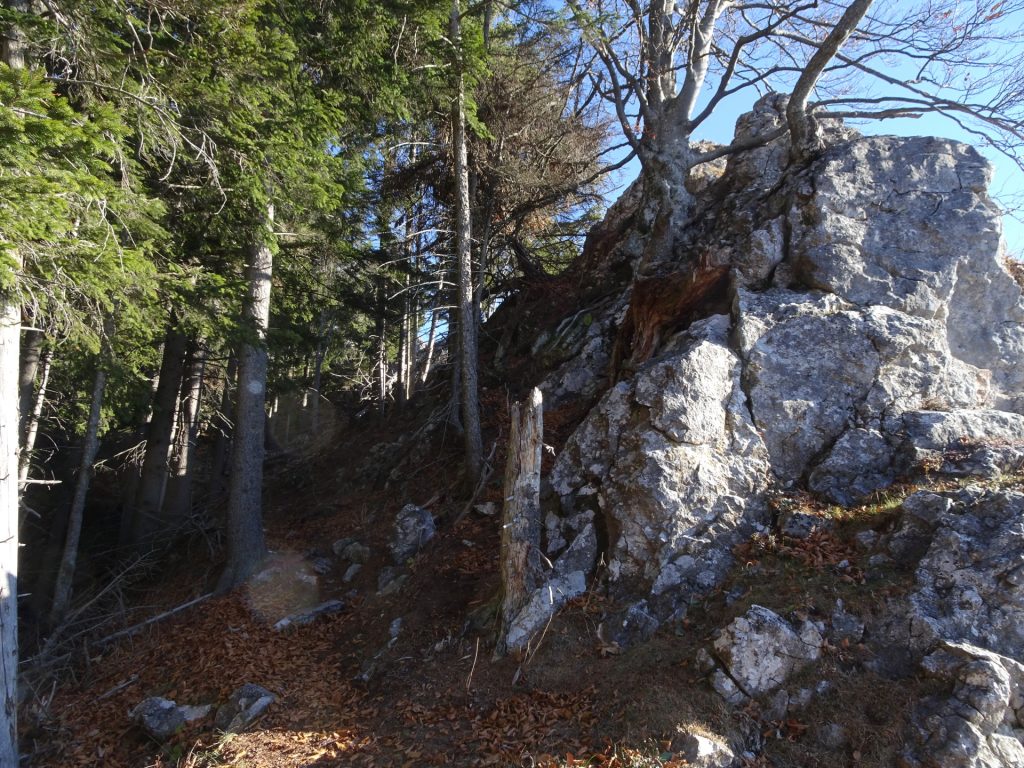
(520, 530)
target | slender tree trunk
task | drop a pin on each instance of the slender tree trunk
(178, 502)
(31, 351)
(36, 415)
(520, 531)
(246, 543)
(90, 447)
(12, 51)
(147, 522)
(382, 347)
(10, 331)
(463, 242)
(803, 139)
(325, 331)
(428, 357)
(403, 349)
(222, 447)
(318, 370)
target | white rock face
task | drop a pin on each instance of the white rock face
(671, 459)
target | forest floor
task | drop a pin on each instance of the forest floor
(435, 696)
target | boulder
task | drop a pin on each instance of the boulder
(414, 527)
(543, 603)
(672, 462)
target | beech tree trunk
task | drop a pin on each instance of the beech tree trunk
(468, 384)
(147, 524)
(12, 51)
(178, 501)
(246, 542)
(35, 416)
(520, 530)
(803, 138)
(90, 447)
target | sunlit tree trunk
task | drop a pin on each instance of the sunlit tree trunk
(12, 51)
(31, 352)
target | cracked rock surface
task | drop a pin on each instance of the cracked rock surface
(759, 651)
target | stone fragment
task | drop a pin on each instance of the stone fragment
(542, 605)
(245, 705)
(414, 527)
(339, 547)
(703, 752)
(322, 566)
(161, 718)
(978, 723)
(391, 580)
(303, 618)
(845, 626)
(761, 650)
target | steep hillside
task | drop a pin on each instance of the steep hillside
(781, 514)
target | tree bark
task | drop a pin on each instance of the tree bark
(803, 140)
(10, 331)
(382, 347)
(31, 351)
(12, 51)
(428, 357)
(520, 530)
(318, 370)
(90, 447)
(147, 524)
(178, 501)
(222, 447)
(468, 385)
(35, 416)
(246, 542)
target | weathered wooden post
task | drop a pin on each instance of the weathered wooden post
(520, 530)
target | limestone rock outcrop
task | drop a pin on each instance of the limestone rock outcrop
(869, 330)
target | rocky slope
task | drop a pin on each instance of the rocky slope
(868, 330)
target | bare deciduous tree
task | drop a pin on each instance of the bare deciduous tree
(667, 66)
